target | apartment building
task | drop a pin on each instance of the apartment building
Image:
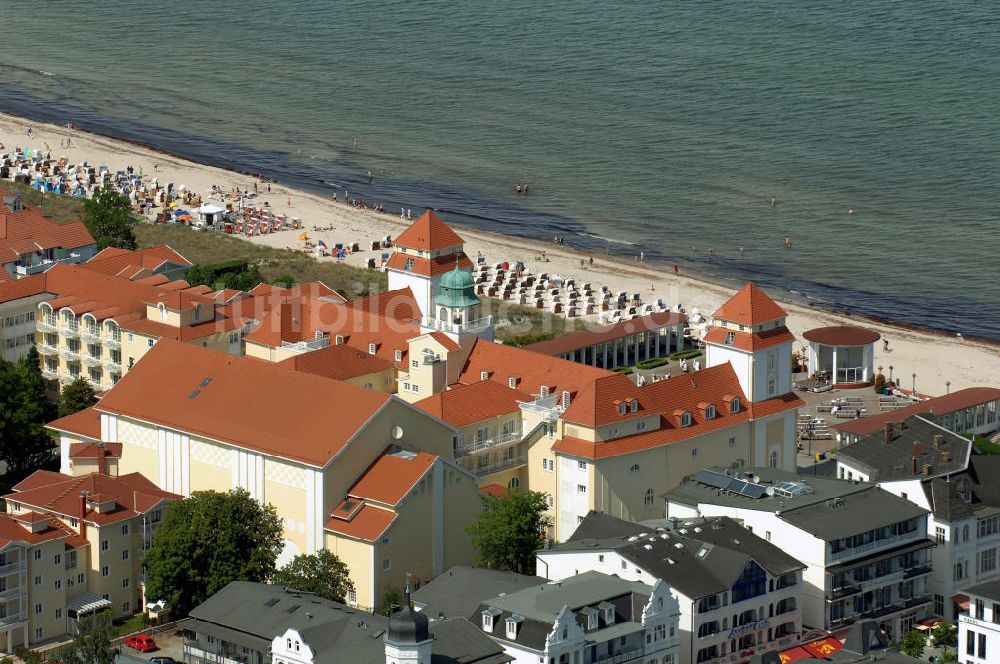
(31, 243)
(979, 626)
(74, 547)
(308, 445)
(866, 550)
(19, 302)
(738, 594)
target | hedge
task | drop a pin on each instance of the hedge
(684, 354)
(622, 370)
(651, 363)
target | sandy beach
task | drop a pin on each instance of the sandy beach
(935, 358)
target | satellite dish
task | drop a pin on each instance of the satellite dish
(397, 432)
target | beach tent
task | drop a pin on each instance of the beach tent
(209, 213)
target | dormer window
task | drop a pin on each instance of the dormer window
(197, 312)
(565, 398)
(339, 339)
(730, 338)
(734, 405)
(710, 412)
(592, 615)
(512, 382)
(489, 616)
(622, 408)
(409, 264)
(609, 615)
(163, 311)
(399, 355)
(685, 419)
(484, 375)
(634, 405)
(511, 623)
(371, 349)
(544, 390)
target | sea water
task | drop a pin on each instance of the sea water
(660, 127)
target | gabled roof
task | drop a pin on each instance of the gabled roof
(428, 232)
(11, 530)
(531, 370)
(85, 424)
(128, 264)
(29, 231)
(288, 414)
(95, 450)
(428, 267)
(391, 477)
(576, 340)
(749, 341)
(132, 494)
(750, 306)
(17, 289)
(458, 592)
(338, 362)
(907, 451)
(367, 524)
(466, 404)
(399, 304)
(936, 406)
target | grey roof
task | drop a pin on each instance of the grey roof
(461, 589)
(725, 546)
(989, 590)
(830, 509)
(912, 445)
(980, 482)
(252, 614)
(538, 607)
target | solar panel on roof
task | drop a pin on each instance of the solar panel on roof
(714, 479)
(736, 486)
(754, 491)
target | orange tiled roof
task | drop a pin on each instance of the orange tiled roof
(428, 267)
(127, 264)
(29, 230)
(494, 490)
(16, 289)
(368, 523)
(465, 404)
(428, 232)
(337, 362)
(750, 341)
(13, 531)
(532, 370)
(242, 401)
(399, 304)
(133, 494)
(576, 340)
(943, 405)
(391, 477)
(93, 450)
(750, 306)
(444, 340)
(85, 423)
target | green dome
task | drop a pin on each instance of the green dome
(457, 290)
(457, 279)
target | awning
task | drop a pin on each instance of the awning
(818, 649)
(792, 655)
(85, 603)
(961, 600)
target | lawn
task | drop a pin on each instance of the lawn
(59, 207)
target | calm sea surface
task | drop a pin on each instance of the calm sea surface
(646, 126)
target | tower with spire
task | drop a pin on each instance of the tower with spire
(429, 259)
(408, 639)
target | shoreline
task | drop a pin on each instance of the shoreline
(693, 291)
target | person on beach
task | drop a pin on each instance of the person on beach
(642, 256)
(741, 249)
(29, 132)
(591, 261)
(371, 177)
(711, 253)
(774, 200)
(788, 242)
(676, 270)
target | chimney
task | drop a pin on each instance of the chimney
(888, 432)
(927, 470)
(83, 514)
(913, 465)
(938, 441)
(101, 462)
(945, 457)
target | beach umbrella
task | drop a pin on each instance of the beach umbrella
(320, 243)
(304, 237)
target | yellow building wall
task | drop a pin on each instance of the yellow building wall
(134, 347)
(542, 480)
(119, 569)
(45, 595)
(290, 502)
(358, 557)
(139, 449)
(379, 381)
(461, 505)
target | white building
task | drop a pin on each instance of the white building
(979, 627)
(865, 550)
(737, 593)
(591, 618)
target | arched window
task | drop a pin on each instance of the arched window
(163, 311)
(634, 468)
(634, 406)
(648, 498)
(773, 461)
(514, 483)
(443, 314)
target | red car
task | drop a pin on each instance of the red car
(141, 642)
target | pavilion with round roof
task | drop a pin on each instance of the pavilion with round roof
(844, 353)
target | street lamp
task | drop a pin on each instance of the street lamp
(890, 373)
(914, 383)
(947, 387)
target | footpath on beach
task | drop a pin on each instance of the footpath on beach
(936, 359)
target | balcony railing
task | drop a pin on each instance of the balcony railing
(70, 355)
(24, 270)
(11, 568)
(50, 374)
(488, 444)
(69, 331)
(306, 346)
(95, 383)
(10, 593)
(547, 407)
(623, 656)
(91, 334)
(91, 360)
(43, 325)
(506, 464)
(871, 547)
(475, 326)
(112, 364)
(112, 342)
(47, 349)
(12, 620)
(66, 379)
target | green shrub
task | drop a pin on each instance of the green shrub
(685, 354)
(651, 363)
(622, 370)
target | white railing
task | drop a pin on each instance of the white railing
(66, 379)
(96, 384)
(69, 354)
(547, 407)
(112, 364)
(489, 443)
(46, 264)
(112, 342)
(458, 328)
(69, 331)
(11, 592)
(49, 373)
(12, 620)
(306, 346)
(877, 545)
(506, 464)
(43, 325)
(91, 335)
(47, 349)
(91, 360)
(11, 568)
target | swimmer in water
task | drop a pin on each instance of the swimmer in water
(774, 200)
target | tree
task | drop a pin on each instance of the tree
(75, 397)
(322, 573)
(510, 529)
(392, 599)
(285, 281)
(913, 644)
(92, 644)
(25, 445)
(207, 541)
(109, 218)
(944, 634)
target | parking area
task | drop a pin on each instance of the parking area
(168, 644)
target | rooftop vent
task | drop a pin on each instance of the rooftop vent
(194, 394)
(206, 381)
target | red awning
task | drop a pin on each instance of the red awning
(792, 655)
(961, 600)
(823, 648)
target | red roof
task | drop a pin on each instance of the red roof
(531, 370)
(93, 450)
(337, 362)
(842, 335)
(584, 338)
(36, 284)
(749, 341)
(750, 306)
(428, 267)
(29, 230)
(428, 232)
(444, 340)
(132, 494)
(367, 524)
(85, 423)
(949, 403)
(494, 490)
(127, 264)
(465, 404)
(11, 530)
(399, 304)
(391, 477)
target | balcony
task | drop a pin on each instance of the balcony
(11, 568)
(43, 325)
(306, 346)
(70, 355)
(91, 360)
(547, 407)
(10, 593)
(70, 331)
(66, 379)
(488, 444)
(96, 384)
(872, 547)
(12, 620)
(506, 464)
(47, 349)
(623, 656)
(42, 266)
(112, 341)
(111, 364)
(91, 335)
(50, 374)
(473, 327)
